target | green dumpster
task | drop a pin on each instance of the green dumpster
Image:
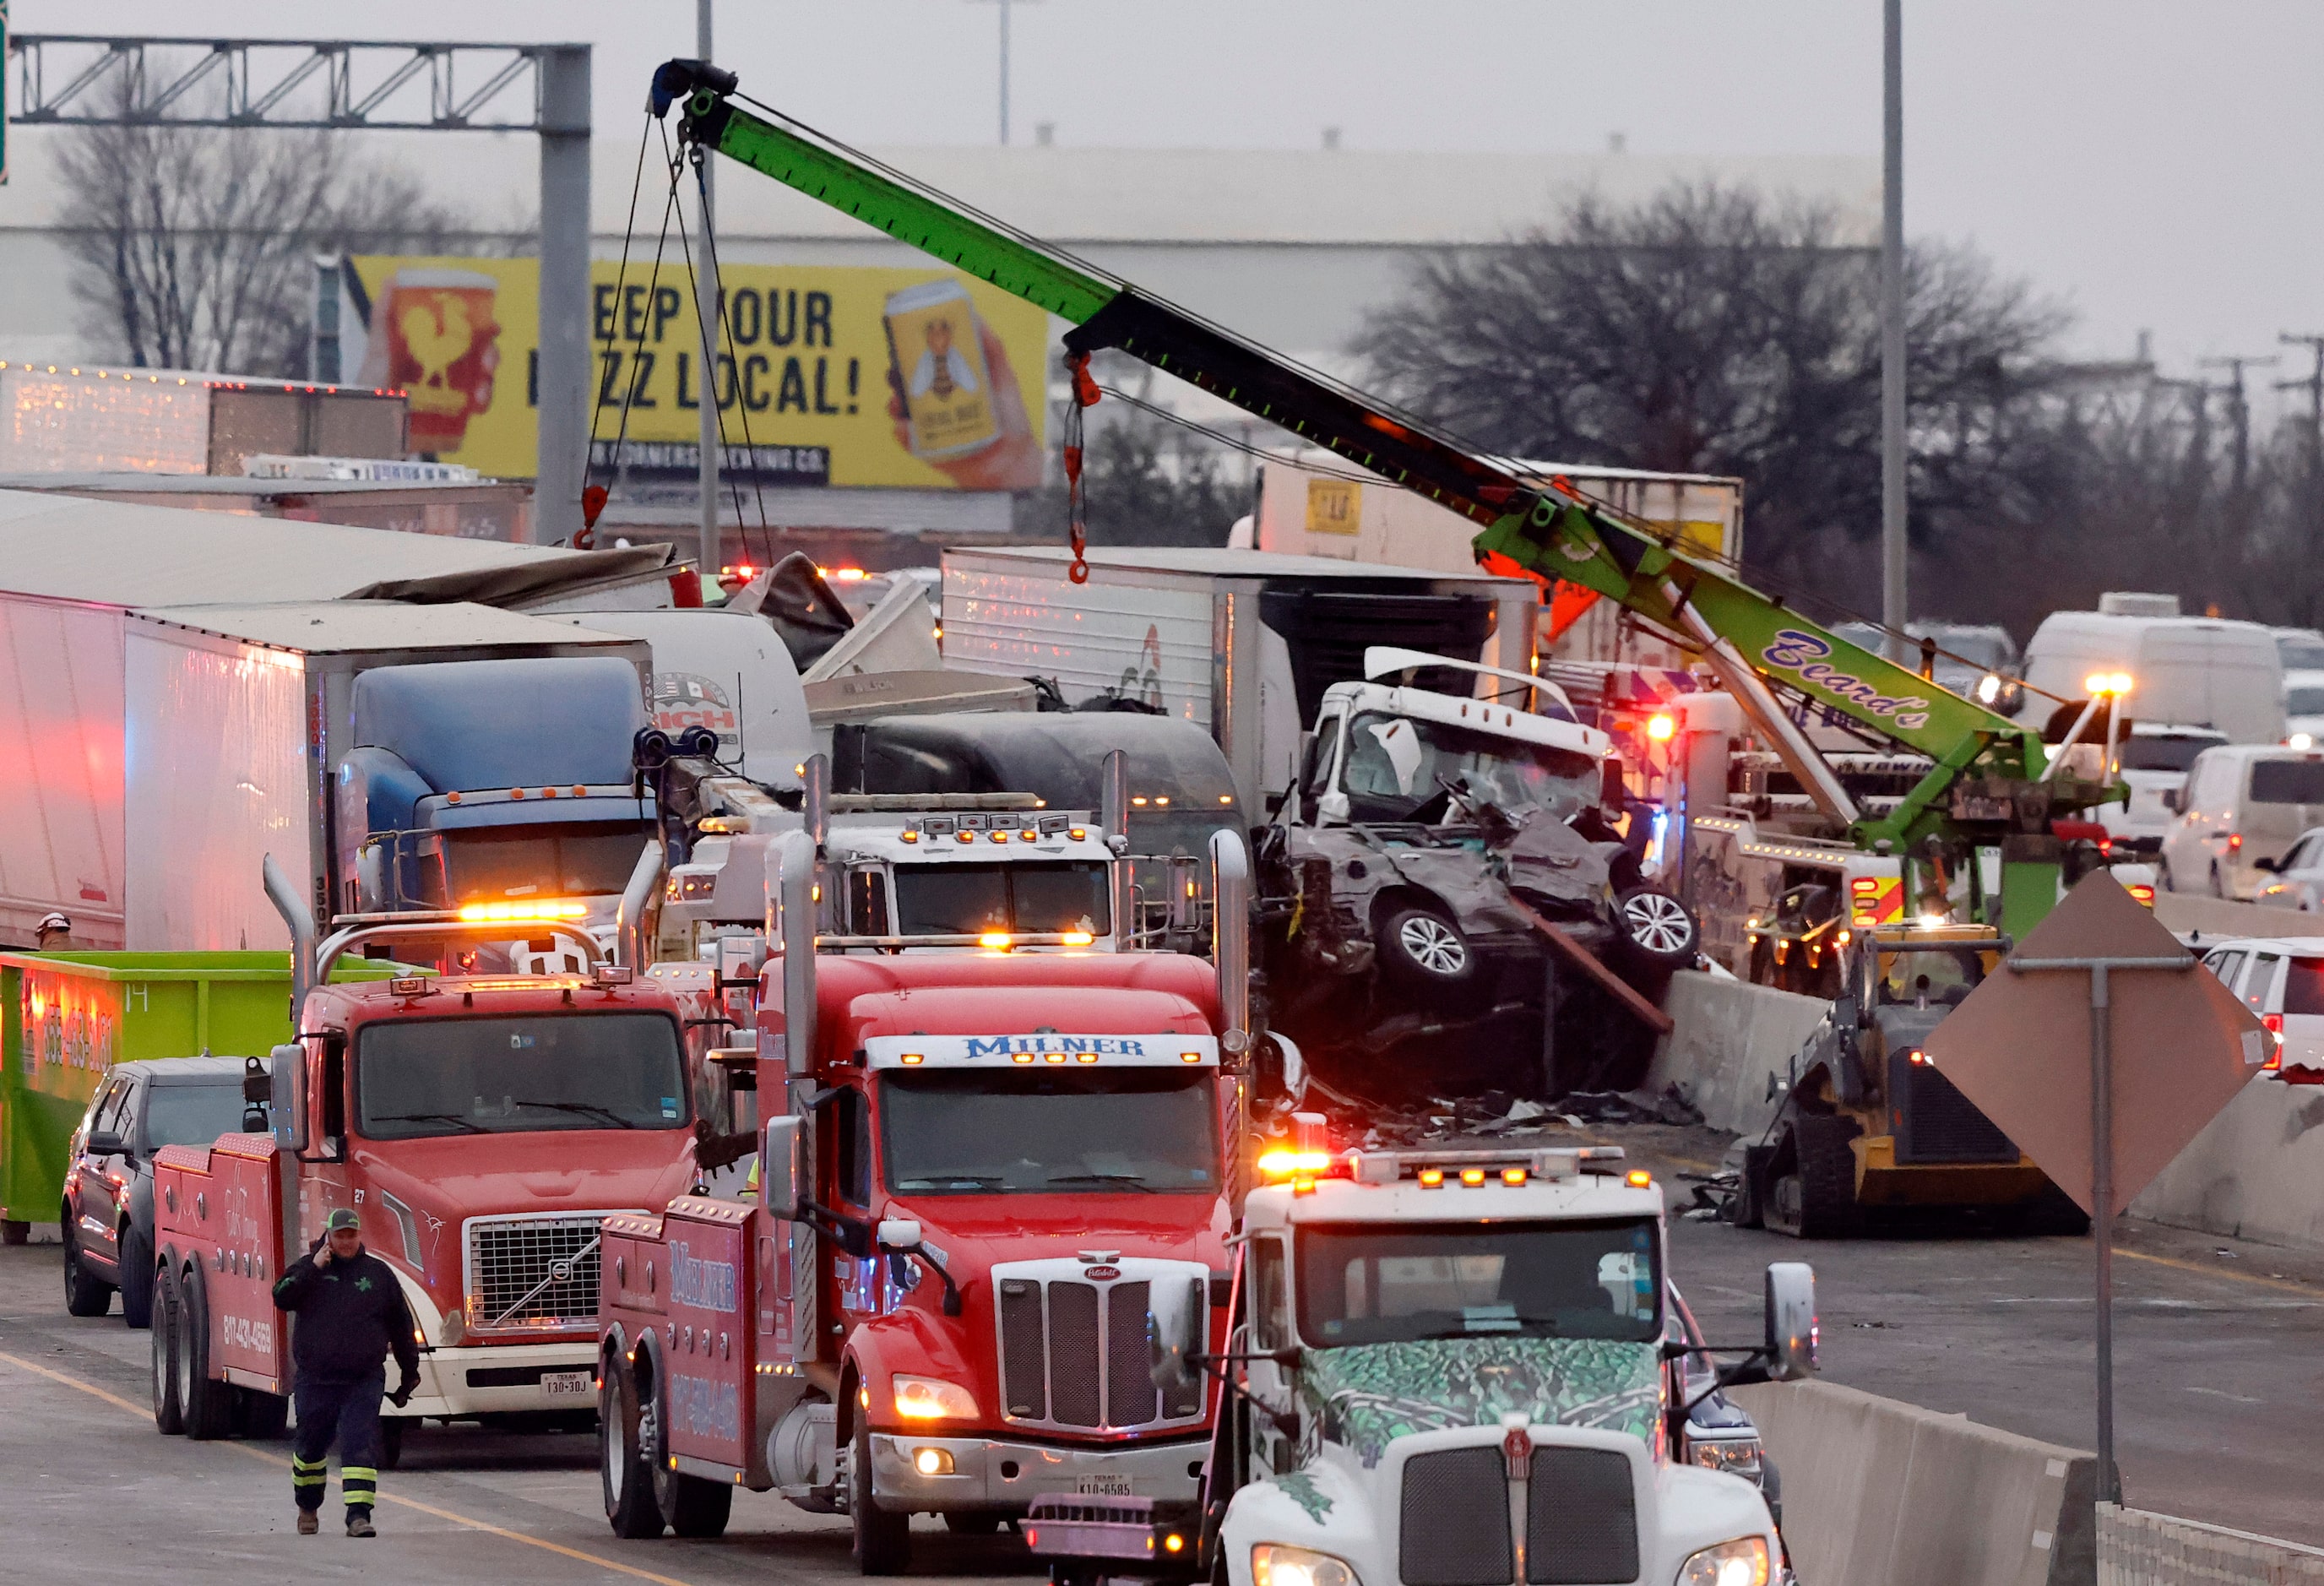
(66, 1018)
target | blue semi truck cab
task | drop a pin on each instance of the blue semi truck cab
(483, 783)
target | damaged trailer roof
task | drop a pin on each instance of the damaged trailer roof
(112, 553)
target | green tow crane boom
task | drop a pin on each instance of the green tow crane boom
(1987, 786)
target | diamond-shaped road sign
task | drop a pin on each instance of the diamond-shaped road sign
(2180, 1045)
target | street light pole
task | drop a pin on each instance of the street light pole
(1894, 610)
(706, 307)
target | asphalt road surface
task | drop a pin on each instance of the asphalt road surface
(2220, 1351)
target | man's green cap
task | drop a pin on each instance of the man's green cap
(344, 1217)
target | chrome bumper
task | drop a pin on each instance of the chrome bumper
(445, 1389)
(987, 1474)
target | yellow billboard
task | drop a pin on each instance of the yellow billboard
(917, 378)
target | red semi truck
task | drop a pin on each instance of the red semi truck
(483, 1126)
(981, 1162)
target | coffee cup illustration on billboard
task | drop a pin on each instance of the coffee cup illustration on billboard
(433, 333)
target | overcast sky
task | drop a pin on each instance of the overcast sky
(2150, 162)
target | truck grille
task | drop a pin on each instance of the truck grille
(1934, 1122)
(534, 1272)
(1581, 1524)
(1072, 1352)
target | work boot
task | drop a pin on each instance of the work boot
(308, 1524)
(359, 1523)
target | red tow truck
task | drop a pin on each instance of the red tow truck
(483, 1126)
(980, 1164)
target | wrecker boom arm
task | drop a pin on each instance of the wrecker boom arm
(1540, 524)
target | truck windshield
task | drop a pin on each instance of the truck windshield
(1135, 1130)
(964, 900)
(1949, 975)
(590, 859)
(1402, 1282)
(192, 1114)
(521, 1074)
(1398, 764)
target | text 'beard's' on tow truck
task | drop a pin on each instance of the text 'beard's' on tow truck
(1991, 793)
(984, 1149)
(1449, 1368)
(483, 1126)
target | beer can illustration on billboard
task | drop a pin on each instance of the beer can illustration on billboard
(435, 333)
(940, 368)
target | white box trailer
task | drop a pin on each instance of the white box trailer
(1240, 642)
(163, 754)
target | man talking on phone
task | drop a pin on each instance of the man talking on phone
(351, 1317)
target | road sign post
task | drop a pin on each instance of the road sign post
(2102, 1167)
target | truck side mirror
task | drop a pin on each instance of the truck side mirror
(104, 1142)
(1177, 1319)
(1792, 1331)
(287, 1084)
(782, 1176)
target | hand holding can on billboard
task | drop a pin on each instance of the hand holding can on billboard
(953, 393)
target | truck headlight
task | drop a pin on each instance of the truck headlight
(1272, 1564)
(1740, 1562)
(1738, 1456)
(929, 1398)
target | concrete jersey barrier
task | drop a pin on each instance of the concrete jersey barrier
(1881, 1493)
(2222, 917)
(2140, 1549)
(2255, 1172)
(1728, 1037)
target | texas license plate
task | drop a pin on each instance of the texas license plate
(567, 1384)
(1103, 1485)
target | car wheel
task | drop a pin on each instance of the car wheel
(691, 1506)
(630, 1506)
(883, 1540)
(168, 1409)
(1420, 948)
(208, 1400)
(1657, 928)
(85, 1294)
(391, 1429)
(2219, 887)
(136, 1279)
(2162, 875)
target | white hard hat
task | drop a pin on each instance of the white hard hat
(52, 922)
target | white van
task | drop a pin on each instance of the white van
(2198, 671)
(2282, 979)
(2243, 802)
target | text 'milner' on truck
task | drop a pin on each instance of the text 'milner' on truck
(984, 1162)
(482, 1126)
(1453, 1366)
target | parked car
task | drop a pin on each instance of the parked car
(2303, 708)
(106, 1220)
(2153, 762)
(2282, 979)
(2243, 802)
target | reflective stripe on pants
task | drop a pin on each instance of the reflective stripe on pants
(347, 1414)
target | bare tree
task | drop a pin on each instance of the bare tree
(1712, 330)
(195, 241)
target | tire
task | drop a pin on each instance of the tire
(1817, 1198)
(690, 1505)
(168, 1409)
(1657, 928)
(136, 1279)
(971, 1523)
(85, 1294)
(391, 1439)
(883, 1540)
(1420, 947)
(262, 1417)
(2162, 875)
(2219, 887)
(208, 1400)
(627, 1483)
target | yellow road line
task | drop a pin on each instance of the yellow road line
(145, 1413)
(2287, 1285)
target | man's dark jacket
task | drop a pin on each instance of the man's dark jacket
(351, 1317)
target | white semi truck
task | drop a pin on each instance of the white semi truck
(1453, 1365)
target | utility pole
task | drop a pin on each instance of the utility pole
(2314, 387)
(1005, 6)
(2239, 417)
(705, 306)
(1895, 609)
